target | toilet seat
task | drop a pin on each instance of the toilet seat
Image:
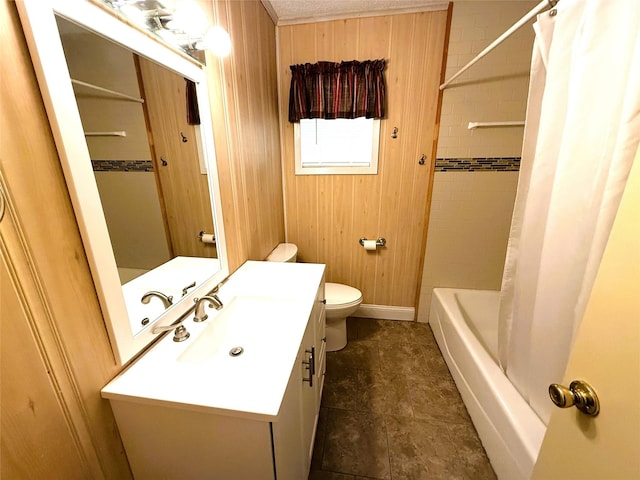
(341, 296)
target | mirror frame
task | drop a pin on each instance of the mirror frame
(45, 47)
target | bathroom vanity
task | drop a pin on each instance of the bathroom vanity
(240, 397)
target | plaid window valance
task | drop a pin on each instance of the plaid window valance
(337, 90)
(193, 114)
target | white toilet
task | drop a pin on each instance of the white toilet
(342, 300)
(284, 252)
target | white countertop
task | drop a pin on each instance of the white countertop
(266, 309)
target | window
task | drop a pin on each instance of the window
(334, 147)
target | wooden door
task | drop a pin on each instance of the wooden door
(174, 146)
(606, 354)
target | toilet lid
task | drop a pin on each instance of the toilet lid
(338, 294)
(284, 252)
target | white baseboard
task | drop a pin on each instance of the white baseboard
(386, 312)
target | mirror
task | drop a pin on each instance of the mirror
(140, 169)
(149, 168)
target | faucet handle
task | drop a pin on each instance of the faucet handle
(165, 328)
(181, 333)
(185, 290)
(214, 301)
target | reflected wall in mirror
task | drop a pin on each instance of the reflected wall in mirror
(140, 169)
(146, 157)
(147, 160)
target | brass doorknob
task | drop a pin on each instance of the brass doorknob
(579, 393)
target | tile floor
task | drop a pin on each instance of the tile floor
(390, 410)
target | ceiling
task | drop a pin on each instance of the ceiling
(299, 11)
(286, 12)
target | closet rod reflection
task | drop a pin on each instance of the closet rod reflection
(119, 133)
(107, 90)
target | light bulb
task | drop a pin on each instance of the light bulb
(217, 41)
(189, 18)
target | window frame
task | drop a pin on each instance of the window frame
(372, 169)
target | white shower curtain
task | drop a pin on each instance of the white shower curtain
(582, 130)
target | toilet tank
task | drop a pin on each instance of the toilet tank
(284, 252)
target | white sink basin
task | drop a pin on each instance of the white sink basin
(250, 323)
(266, 309)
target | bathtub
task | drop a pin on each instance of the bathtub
(465, 324)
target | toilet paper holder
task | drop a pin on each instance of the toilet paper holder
(380, 242)
(207, 237)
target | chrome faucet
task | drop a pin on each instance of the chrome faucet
(214, 301)
(167, 301)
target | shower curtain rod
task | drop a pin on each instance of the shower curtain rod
(532, 13)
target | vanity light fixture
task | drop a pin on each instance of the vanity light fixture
(134, 14)
(182, 24)
(189, 18)
(217, 41)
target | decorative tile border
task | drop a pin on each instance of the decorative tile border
(122, 165)
(479, 164)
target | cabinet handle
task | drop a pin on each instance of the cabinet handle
(312, 358)
(311, 365)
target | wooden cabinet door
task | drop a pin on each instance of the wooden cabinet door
(319, 315)
(294, 432)
(289, 447)
(309, 398)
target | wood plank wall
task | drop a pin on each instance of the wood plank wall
(184, 190)
(48, 296)
(54, 422)
(326, 215)
(246, 132)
